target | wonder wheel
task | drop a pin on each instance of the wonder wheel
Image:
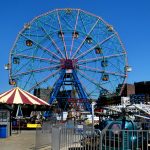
(69, 50)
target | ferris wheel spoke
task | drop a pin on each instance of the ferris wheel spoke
(51, 39)
(62, 34)
(92, 91)
(87, 77)
(100, 43)
(44, 80)
(82, 23)
(33, 35)
(36, 70)
(87, 68)
(111, 83)
(84, 39)
(50, 25)
(37, 58)
(19, 69)
(114, 88)
(115, 66)
(68, 24)
(22, 51)
(41, 47)
(27, 81)
(100, 58)
(74, 32)
(85, 88)
(120, 42)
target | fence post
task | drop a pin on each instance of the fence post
(101, 142)
(56, 138)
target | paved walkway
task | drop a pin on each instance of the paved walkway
(21, 141)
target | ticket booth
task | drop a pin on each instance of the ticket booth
(5, 121)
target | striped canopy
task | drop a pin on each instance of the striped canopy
(19, 96)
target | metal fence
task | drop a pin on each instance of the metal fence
(72, 139)
(125, 140)
(75, 138)
(44, 136)
(79, 137)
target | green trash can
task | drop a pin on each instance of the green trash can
(3, 131)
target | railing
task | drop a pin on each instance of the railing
(75, 138)
(78, 137)
(125, 140)
(44, 136)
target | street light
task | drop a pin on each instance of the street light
(93, 104)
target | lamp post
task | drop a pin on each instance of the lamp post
(93, 104)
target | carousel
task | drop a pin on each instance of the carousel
(26, 109)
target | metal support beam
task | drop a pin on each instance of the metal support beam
(61, 81)
(57, 87)
(80, 91)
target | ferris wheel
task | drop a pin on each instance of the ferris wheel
(69, 49)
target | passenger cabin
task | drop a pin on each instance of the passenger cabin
(105, 77)
(27, 26)
(60, 34)
(128, 68)
(12, 82)
(104, 63)
(89, 40)
(68, 10)
(75, 34)
(7, 66)
(29, 43)
(16, 60)
(110, 28)
(98, 50)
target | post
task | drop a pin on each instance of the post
(93, 104)
(19, 125)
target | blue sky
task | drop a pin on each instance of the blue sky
(131, 19)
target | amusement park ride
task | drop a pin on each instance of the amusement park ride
(69, 50)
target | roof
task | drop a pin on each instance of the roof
(19, 96)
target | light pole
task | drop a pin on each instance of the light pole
(93, 104)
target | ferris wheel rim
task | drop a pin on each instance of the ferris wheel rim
(73, 57)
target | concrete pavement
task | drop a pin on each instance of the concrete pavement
(21, 141)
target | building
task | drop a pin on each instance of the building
(138, 92)
(62, 96)
(43, 93)
(142, 87)
(128, 89)
(136, 88)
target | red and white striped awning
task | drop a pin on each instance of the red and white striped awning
(19, 96)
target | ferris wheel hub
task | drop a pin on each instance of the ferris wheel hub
(68, 63)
